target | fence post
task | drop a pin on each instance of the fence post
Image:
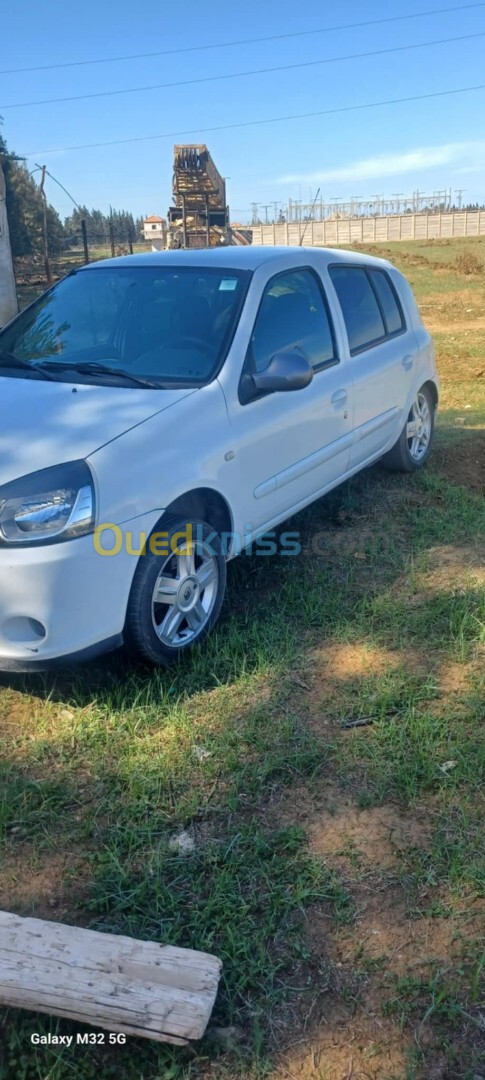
(130, 243)
(84, 233)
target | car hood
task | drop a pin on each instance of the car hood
(46, 423)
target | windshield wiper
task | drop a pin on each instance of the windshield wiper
(93, 368)
(9, 360)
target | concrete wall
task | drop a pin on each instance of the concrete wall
(372, 230)
(8, 293)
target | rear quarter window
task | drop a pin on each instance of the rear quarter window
(388, 300)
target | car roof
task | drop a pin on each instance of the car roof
(241, 258)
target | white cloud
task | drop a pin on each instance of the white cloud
(466, 154)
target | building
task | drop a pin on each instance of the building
(155, 228)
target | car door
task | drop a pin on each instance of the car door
(381, 352)
(290, 446)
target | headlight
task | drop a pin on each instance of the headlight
(48, 506)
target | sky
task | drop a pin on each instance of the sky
(429, 144)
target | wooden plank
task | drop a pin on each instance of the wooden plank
(107, 980)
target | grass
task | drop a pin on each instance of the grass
(242, 748)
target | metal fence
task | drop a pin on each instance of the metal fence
(372, 230)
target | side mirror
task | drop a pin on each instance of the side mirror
(285, 371)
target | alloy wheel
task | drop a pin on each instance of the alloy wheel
(418, 428)
(184, 594)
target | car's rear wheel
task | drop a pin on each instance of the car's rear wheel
(176, 597)
(414, 444)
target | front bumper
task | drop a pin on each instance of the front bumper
(62, 603)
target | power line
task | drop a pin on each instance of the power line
(241, 74)
(58, 182)
(254, 123)
(242, 41)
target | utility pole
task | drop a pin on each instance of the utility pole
(255, 212)
(460, 192)
(265, 207)
(84, 235)
(112, 235)
(44, 222)
(275, 206)
(310, 218)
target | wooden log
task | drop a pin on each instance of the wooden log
(105, 980)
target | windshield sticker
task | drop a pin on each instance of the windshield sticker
(228, 284)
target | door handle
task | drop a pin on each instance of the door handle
(407, 362)
(339, 397)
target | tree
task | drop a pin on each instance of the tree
(25, 208)
(98, 225)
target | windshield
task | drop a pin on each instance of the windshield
(166, 325)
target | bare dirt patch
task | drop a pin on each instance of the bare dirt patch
(332, 667)
(454, 679)
(385, 930)
(464, 462)
(364, 1047)
(343, 660)
(444, 326)
(348, 836)
(376, 835)
(449, 568)
(46, 885)
(452, 566)
(346, 1029)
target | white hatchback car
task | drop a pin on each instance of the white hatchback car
(148, 432)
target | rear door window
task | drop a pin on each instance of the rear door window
(362, 314)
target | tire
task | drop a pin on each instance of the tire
(159, 631)
(412, 450)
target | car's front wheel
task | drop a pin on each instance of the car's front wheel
(176, 596)
(414, 444)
